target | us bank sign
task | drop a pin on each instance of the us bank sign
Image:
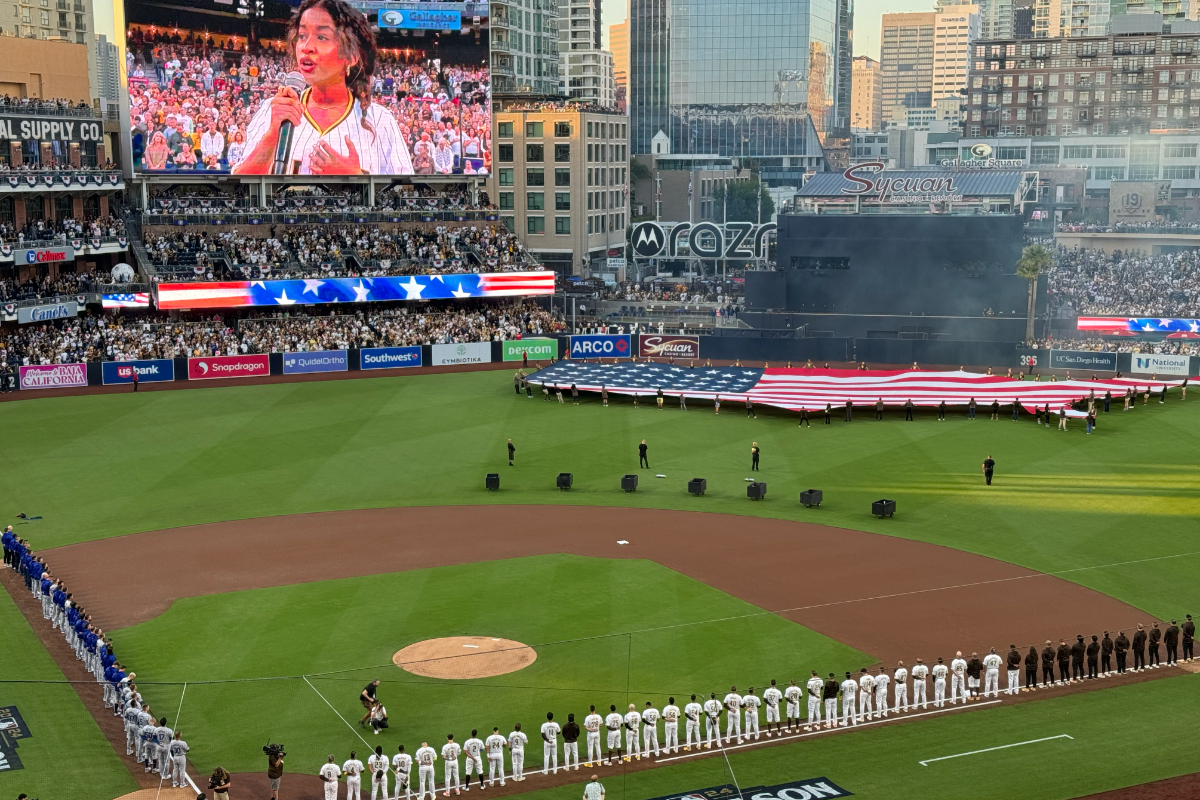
(701, 239)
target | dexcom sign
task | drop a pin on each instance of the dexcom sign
(602, 345)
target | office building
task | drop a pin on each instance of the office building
(107, 74)
(716, 78)
(996, 19)
(682, 188)
(55, 20)
(866, 103)
(1104, 85)
(955, 27)
(1023, 19)
(560, 179)
(524, 44)
(906, 60)
(588, 75)
(618, 45)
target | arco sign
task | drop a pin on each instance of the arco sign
(702, 240)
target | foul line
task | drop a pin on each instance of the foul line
(929, 761)
(334, 710)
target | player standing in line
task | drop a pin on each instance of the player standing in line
(900, 679)
(132, 727)
(329, 775)
(162, 742)
(425, 757)
(613, 722)
(712, 716)
(149, 733)
(1013, 662)
(353, 769)
(516, 742)
(550, 731)
(991, 674)
(974, 673)
(791, 696)
(402, 768)
(450, 753)
(940, 671)
(849, 693)
(570, 742)
(473, 748)
(815, 689)
(958, 680)
(377, 762)
(633, 724)
(671, 726)
(919, 673)
(591, 724)
(866, 692)
(650, 732)
(771, 698)
(830, 694)
(691, 713)
(881, 683)
(178, 752)
(733, 720)
(751, 702)
(495, 745)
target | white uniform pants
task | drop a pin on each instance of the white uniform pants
(752, 724)
(331, 789)
(614, 740)
(179, 771)
(693, 727)
(130, 739)
(632, 746)
(901, 697)
(354, 788)
(425, 778)
(991, 682)
(164, 761)
(939, 692)
(733, 722)
(650, 740)
(920, 696)
(712, 729)
(380, 786)
(814, 710)
(958, 688)
(496, 769)
(864, 704)
(831, 712)
(549, 757)
(570, 753)
(881, 708)
(474, 767)
(402, 783)
(593, 747)
(772, 714)
(518, 763)
(671, 740)
(793, 711)
(1014, 681)
(449, 773)
(848, 715)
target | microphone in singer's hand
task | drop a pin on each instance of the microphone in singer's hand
(283, 145)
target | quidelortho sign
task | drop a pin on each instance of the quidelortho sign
(1083, 359)
(43, 255)
(389, 357)
(155, 370)
(538, 349)
(315, 361)
(1150, 364)
(464, 353)
(27, 314)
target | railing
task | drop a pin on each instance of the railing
(218, 216)
(46, 108)
(294, 270)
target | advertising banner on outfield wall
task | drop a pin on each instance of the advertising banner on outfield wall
(389, 357)
(1083, 359)
(28, 314)
(53, 376)
(602, 345)
(657, 345)
(207, 369)
(807, 789)
(1150, 364)
(315, 361)
(538, 349)
(465, 353)
(155, 370)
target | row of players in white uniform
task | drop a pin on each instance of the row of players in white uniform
(862, 698)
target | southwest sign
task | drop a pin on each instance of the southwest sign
(702, 240)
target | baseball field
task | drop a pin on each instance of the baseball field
(259, 553)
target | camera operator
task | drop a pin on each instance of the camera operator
(219, 782)
(275, 756)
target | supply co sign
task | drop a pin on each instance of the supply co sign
(206, 369)
(466, 353)
(538, 349)
(659, 346)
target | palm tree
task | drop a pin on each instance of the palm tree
(1035, 259)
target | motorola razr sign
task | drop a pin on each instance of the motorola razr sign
(702, 240)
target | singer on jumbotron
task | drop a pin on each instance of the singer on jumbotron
(337, 130)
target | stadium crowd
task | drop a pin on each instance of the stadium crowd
(52, 106)
(109, 227)
(1163, 347)
(191, 103)
(66, 283)
(155, 745)
(1093, 283)
(121, 337)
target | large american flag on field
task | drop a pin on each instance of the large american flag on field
(812, 389)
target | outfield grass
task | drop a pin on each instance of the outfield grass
(66, 754)
(343, 633)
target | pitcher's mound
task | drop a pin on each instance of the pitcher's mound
(464, 657)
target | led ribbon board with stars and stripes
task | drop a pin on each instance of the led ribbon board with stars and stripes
(229, 294)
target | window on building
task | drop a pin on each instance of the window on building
(1179, 151)
(1043, 155)
(562, 152)
(1143, 172)
(1179, 173)
(505, 175)
(506, 201)
(504, 153)
(535, 224)
(504, 130)
(1018, 153)
(1077, 151)
(509, 222)
(535, 201)
(533, 130)
(535, 152)
(1107, 173)
(562, 226)
(535, 176)
(562, 129)
(1110, 151)
(562, 176)
(562, 201)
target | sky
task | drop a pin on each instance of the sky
(867, 16)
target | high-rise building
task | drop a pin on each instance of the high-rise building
(996, 19)
(1023, 19)
(618, 45)
(578, 25)
(524, 44)
(718, 78)
(866, 104)
(955, 26)
(64, 20)
(588, 75)
(906, 60)
(107, 73)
